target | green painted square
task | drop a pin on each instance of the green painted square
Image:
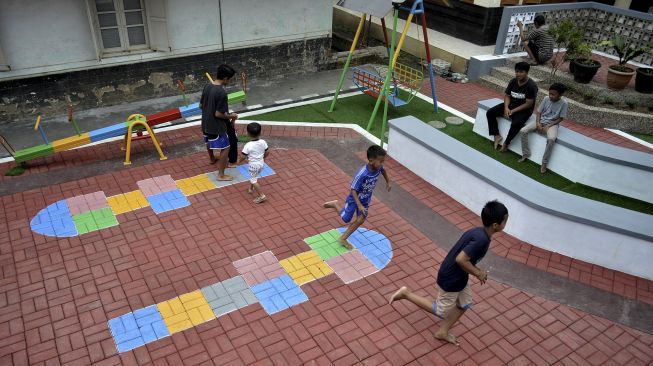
(104, 218)
(326, 244)
(236, 97)
(85, 223)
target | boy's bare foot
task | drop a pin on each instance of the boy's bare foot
(213, 161)
(543, 169)
(260, 199)
(232, 165)
(522, 159)
(345, 243)
(250, 190)
(225, 178)
(447, 338)
(497, 141)
(399, 294)
(503, 148)
(330, 204)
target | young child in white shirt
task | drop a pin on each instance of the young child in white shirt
(255, 152)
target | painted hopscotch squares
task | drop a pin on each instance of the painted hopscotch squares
(374, 246)
(55, 220)
(305, 267)
(127, 202)
(168, 201)
(229, 295)
(87, 202)
(185, 311)
(326, 244)
(94, 220)
(352, 266)
(259, 268)
(234, 172)
(156, 185)
(244, 170)
(194, 185)
(135, 329)
(279, 294)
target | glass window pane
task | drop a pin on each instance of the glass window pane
(107, 20)
(110, 38)
(134, 18)
(132, 4)
(136, 35)
(104, 5)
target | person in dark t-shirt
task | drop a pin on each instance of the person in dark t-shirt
(517, 106)
(455, 294)
(216, 117)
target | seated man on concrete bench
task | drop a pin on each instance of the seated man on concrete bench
(517, 106)
(550, 113)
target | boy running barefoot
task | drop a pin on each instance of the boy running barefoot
(360, 196)
(455, 295)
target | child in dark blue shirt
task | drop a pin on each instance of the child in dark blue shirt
(455, 295)
(360, 195)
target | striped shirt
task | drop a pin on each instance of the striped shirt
(541, 37)
(364, 183)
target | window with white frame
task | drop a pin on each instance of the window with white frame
(121, 25)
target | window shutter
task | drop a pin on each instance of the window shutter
(156, 24)
(3, 63)
(95, 28)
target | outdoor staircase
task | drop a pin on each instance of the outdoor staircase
(580, 111)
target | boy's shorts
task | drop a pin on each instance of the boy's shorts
(347, 212)
(447, 300)
(254, 171)
(217, 142)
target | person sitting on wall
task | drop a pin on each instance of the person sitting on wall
(517, 106)
(538, 43)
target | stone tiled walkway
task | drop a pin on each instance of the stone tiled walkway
(57, 295)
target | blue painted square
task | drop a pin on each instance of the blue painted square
(190, 110)
(373, 245)
(168, 201)
(243, 169)
(135, 329)
(118, 129)
(54, 220)
(279, 294)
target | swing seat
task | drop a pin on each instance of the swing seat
(371, 84)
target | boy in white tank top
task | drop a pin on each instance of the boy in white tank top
(255, 152)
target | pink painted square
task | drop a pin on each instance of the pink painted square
(259, 268)
(87, 202)
(351, 266)
(156, 185)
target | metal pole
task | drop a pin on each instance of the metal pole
(388, 75)
(351, 53)
(428, 58)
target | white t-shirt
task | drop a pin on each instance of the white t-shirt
(255, 151)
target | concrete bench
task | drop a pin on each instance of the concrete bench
(582, 159)
(560, 222)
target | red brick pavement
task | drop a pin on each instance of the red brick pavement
(57, 294)
(464, 97)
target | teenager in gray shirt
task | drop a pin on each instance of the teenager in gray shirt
(550, 113)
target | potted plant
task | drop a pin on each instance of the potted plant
(644, 80)
(584, 68)
(619, 75)
(565, 35)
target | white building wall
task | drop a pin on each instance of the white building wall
(47, 36)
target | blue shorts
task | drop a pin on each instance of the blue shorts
(347, 212)
(217, 142)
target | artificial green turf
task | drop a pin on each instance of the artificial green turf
(641, 136)
(358, 109)
(14, 171)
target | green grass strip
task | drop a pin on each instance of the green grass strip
(641, 136)
(358, 109)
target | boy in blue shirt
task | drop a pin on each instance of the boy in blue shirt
(360, 195)
(455, 295)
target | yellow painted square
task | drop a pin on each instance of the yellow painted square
(165, 309)
(176, 306)
(195, 317)
(305, 279)
(191, 296)
(136, 199)
(325, 268)
(203, 182)
(207, 313)
(187, 186)
(118, 204)
(178, 327)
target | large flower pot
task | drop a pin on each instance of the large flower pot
(618, 79)
(644, 80)
(584, 70)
